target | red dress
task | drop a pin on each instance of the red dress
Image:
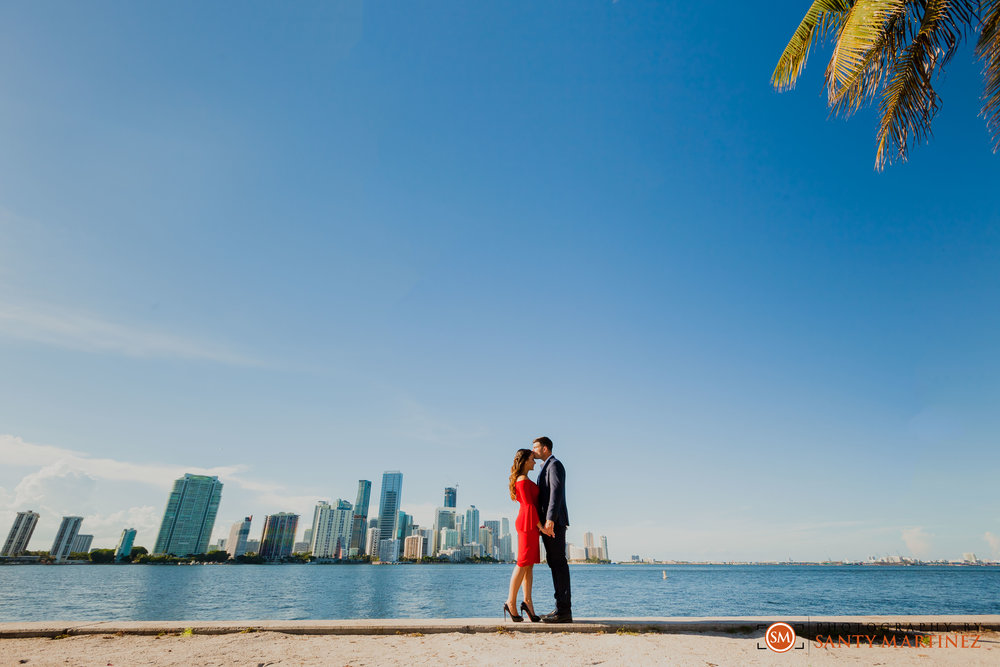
(526, 524)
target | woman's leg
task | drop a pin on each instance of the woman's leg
(515, 582)
(527, 587)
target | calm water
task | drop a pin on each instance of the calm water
(243, 592)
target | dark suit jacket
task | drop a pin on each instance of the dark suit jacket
(552, 493)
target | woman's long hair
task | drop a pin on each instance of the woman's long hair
(520, 458)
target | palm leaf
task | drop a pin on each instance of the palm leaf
(869, 39)
(822, 17)
(988, 49)
(909, 101)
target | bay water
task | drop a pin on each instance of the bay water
(248, 592)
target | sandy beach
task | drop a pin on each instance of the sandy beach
(500, 647)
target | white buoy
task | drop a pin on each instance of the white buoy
(664, 574)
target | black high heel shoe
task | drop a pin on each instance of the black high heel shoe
(527, 611)
(507, 612)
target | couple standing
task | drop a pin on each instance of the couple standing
(542, 512)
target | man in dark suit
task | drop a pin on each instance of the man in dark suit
(552, 510)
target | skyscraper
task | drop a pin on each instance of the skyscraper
(236, 545)
(604, 548)
(68, 530)
(493, 546)
(403, 523)
(82, 543)
(388, 507)
(471, 525)
(279, 535)
(504, 526)
(331, 529)
(125, 542)
(20, 534)
(359, 524)
(588, 546)
(451, 496)
(190, 516)
(444, 517)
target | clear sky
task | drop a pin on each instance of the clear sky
(298, 245)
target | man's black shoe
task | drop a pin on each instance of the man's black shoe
(558, 617)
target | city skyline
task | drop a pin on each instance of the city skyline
(418, 237)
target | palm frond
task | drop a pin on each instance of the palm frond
(988, 49)
(823, 17)
(909, 101)
(870, 37)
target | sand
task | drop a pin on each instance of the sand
(496, 648)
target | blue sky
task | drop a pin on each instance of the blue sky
(298, 247)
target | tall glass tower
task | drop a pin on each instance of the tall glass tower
(125, 542)
(20, 534)
(388, 507)
(359, 526)
(451, 496)
(471, 525)
(279, 535)
(190, 516)
(236, 545)
(68, 530)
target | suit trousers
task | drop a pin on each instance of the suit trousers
(555, 555)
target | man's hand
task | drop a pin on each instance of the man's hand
(550, 528)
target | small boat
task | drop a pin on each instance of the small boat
(664, 574)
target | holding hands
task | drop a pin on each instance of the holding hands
(548, 529)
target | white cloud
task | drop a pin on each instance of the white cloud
(994, 542)
(75, 330)
(917, 540)
(56, 482)
(14, 451)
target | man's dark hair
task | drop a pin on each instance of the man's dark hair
(544, 442)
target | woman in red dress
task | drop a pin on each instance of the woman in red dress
(528, 527)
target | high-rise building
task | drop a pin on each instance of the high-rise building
(486, 539)
(68, 530)
(190, 516)
(81, 545)
(359, 523)
(279, 535)
(604, 548)
(371, 542)
(253, 546)
(506, 548)
(388, 550)
(236, 545)
(448, 539)
(504, 526)
(307, 536)
(392, 486)
(404, 522)
(20, 534)
(588, 546)
(125, 542)
(493, 545)
(471, 525)
(444, 517)
(413, 547)
(451, 496)
(331, 531)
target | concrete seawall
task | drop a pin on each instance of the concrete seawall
(746, 625)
